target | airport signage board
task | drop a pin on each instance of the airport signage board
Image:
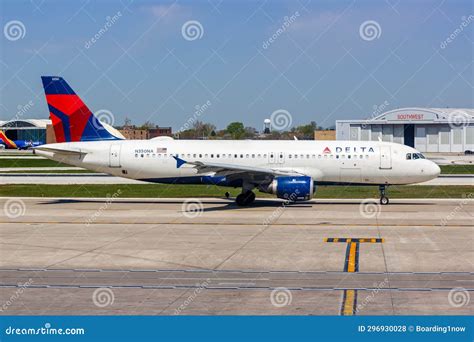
(407, 115)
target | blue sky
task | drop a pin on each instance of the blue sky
(320, 67)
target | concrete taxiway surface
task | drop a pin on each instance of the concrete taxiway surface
(101, 178)
(185, 256)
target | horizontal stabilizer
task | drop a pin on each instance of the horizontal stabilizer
(59, 151)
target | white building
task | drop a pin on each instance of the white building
(25, 129)
(426, 129)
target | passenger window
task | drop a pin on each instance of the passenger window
(289, 156)
(200, 155)
(260, 156)
(296, 156)
(141, 155)
(241, 156)
(212, 155)
(319, 156)
(136, 155)
(253, 155)
(337, 156)
(194, 155)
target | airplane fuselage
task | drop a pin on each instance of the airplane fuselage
(354, 162)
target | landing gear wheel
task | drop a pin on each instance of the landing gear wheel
(227, 194)
(383, 199)
(245, 198)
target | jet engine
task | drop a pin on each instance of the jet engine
(299, 188)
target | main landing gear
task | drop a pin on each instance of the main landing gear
(383, 199)
(245, 198)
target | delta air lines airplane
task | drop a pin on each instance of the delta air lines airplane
(291, 170)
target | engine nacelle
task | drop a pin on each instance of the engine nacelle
(300, 188)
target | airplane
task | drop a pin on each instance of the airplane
(289, 169)
(19, 144)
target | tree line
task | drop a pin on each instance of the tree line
(237, 130)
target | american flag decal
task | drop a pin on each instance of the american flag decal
(161, 150)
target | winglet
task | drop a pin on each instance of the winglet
(179, 161)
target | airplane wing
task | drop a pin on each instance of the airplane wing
(232, 171)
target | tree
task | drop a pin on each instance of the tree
(250, 132)
(203, 130)
(147, 125)
(305, 131)
(198, 130)
(236, 130)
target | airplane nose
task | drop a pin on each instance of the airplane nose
(430, 170)
(434, 170)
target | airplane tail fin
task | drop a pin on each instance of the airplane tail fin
(72, 120)
(7, 141)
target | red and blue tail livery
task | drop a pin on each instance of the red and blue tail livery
(72, 120)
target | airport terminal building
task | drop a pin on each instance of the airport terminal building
(26, 129)
(426, 129)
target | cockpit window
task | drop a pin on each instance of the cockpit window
(418, 156)
(415, 156)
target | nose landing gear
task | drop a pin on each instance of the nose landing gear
(383, 198)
